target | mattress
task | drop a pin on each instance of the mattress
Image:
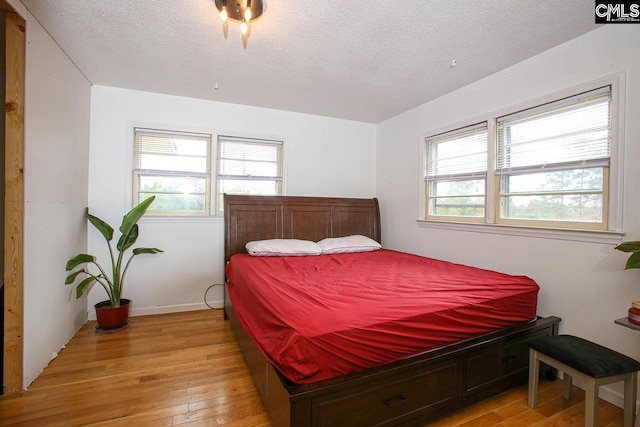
(318, 317)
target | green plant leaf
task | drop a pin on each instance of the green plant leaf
(79, 259)
(132, 217)
(105, 229)
(127, 240)
(72, 277)
(112, 283)
(633, 261)
(629, 246)
(138, 251)
(84, 286)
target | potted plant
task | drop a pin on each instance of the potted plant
(114, 312)
(632, 262)
(634, 248)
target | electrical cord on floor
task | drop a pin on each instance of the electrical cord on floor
(205, 294)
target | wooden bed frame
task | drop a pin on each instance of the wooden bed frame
(407, 392)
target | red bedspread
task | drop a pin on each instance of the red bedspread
(322, 316)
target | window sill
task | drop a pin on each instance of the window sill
(605, 237)
(178, 219)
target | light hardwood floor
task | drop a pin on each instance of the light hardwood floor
(185, 369)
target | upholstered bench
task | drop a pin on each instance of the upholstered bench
(594, 364)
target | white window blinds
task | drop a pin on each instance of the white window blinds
(176, 168)
(249, 159)
(456, 171)
(171, 152)
(561, 135)
(553, 162)
(248, 166)
(461, 153)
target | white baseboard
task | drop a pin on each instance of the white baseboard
(605, 392)
(612, 396)
(162, 309)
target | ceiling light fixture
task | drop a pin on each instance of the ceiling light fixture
(243, 11)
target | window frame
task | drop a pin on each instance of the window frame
(137, 172)
(490, 225)
(279, 178)
(549, 109)
(431, 177)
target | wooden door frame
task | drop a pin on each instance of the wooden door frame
(14, 202)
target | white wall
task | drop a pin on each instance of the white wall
(57, 102)
(583, 283)
(323, 157)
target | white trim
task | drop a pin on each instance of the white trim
(177, 308)
(18, 7)
(491, 184)
(616, 172)
(606, 392)
(422, 184)
(605, 237)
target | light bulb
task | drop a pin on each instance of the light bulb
(223, 14)
(243, 27)
(247, 14)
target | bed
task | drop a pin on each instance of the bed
(411, 386)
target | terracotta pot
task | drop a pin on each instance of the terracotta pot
(112, 317)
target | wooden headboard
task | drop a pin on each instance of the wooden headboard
(248, 218)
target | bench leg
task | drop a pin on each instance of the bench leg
(630, 392)
(534, 371)
(590, 402)
(566, 386)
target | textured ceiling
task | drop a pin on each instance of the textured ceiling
(357, 60)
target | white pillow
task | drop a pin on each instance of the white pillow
(283, 247)
(341, 245)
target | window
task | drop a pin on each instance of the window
(456, 176)
(176, 168)
(553, 163)
(550, 166)
(248, 166)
